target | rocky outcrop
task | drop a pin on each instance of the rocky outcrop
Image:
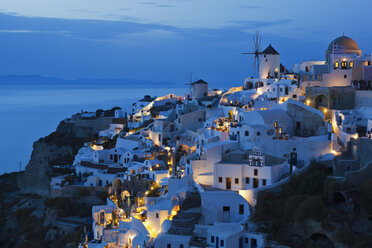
(36, 178)
(57, 148)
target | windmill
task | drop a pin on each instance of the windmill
(190, 80)
(256, 51)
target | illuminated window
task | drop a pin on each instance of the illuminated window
(343, 65)
(351, 64)
(336, 65)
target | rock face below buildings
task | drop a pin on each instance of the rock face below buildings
(57, 148)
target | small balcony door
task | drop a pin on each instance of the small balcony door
(255, 182)
(228, 182)
(226, 214)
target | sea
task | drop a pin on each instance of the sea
(28, 113)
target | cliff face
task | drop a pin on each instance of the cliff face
(57, 148)
(36, 177)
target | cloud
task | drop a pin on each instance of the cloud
(157, 4)
(249, 25)
(24, 31)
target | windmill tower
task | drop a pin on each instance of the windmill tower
(269, 63)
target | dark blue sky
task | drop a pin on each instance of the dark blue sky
(165, 40)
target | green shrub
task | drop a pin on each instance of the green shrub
(22, 214)
(366, 197)
(263, 206)
(312, 183)
(312, 208)
(345, 235)
(291, 205)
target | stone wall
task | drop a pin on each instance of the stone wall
(363, 98)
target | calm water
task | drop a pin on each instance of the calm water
(28, 113)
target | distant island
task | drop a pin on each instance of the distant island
(34, 80)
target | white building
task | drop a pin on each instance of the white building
(199, 89)
(269, 63)
(240, 170)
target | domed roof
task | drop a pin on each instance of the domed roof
(344, 43)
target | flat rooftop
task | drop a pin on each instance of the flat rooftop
(242, 157)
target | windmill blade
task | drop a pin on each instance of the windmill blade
(255, 66)
(256, 51)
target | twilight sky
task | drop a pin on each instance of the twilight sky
(165, 40)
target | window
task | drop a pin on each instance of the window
(294, 96)
(200, 119)
(241, 209)
(281, 89)
(212, 239)
(246, 133)
(236, 180)
(169, 246)
(179, 120)
(247, 180)
(246, 240)
(258, 134)
(351, 64)
(181, 245)
(255, 172)
(159, 137)
(345, 76)
(222, 242)
(220, 179)
(336, 65)
(253, 242)
(226, 208)
(263, 182)
(343, 65)
(157, 215)
(111, 157)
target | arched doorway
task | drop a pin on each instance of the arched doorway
(117, 185)
(249, 85)
(338, 198)
(319, 240)
(321, 101)
(259, 84)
